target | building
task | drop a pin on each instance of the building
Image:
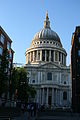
(75, 70)
(5, 42)
(46, 64)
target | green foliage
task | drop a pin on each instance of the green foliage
(19, 81)
(4, 72)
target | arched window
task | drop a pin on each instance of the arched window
(64, 95)
(49, 76)
(33, 81)
(64, 82)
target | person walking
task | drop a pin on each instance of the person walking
(28, 111)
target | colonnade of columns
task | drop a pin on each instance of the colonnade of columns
(48, 96)
(51, 97)
(46, 55)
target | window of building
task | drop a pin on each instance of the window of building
(2, 38)
(33, 81)
(40, 42)
(49, 76)
(79, 53)
(10, 55)
(52, 54)
(8, 46)
(37, 42)
(64, 82)
(79, 39)
(1, 50)
(56, 56)
(43, 55)
(47, 55)
(59, 56)
(64, 95)
(62, 58)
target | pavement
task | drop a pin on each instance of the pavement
(59, 115)
(13, 114)
(17, 114)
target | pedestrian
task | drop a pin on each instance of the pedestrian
(32, 110)
(28, 111)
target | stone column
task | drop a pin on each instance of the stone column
(45, 55)
(27, 58)
(61, 97)
(40, 55)
(33, 56)
(57, 56)
(40, 96)
(60, 77)
(56, 96)
(52, 96)
(47, 97)
(30, 56)
(61, 58)
(37, 56)
(49, 55)
(54, 55)
(43, 97)
(37, 95)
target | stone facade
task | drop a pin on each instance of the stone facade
(46, 64)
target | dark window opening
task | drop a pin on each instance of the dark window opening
(43, 55)
(49, 76)
(47, 55)
(64, 95)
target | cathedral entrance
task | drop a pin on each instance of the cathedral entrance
(49, 100)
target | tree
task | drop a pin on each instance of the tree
(4, 71)
(13, 82)
(19, 82)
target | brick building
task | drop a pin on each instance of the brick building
(75, 70)
(5, 42)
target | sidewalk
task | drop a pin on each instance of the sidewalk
(13, 114)
(23, 117)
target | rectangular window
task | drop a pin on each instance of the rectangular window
(56, 56)
(49, 76)
(43, 55)
(79, 53)
(59, 56)
(47, 55)
(64, 95)
(79, 39)
(1, 50)
(10, 55)
(2, 38)
(52, 54)
(8, 46)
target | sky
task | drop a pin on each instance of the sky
(21, 19)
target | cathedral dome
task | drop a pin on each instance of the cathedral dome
(46, 32)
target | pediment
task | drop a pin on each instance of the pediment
(50, 65)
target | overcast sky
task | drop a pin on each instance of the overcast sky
(21, 19)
